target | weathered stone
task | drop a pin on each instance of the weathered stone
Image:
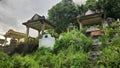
(94, 56)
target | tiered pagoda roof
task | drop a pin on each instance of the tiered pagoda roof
(90, 17)
(36, 22)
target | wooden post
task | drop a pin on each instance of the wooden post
(5, 41)
(43, 28)
(80, 25)
(38, 33)
(103, 24)
(68, 29)
(27, 31)
(18, 41)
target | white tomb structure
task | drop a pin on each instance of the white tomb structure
(47, 41)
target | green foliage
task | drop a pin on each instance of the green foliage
(116, 23)
(62, 14)
(110, 7)
(51, 31)
(31, 41)
(29, 62)
(24, 62)
(109, 32)
(83, 30)
(75, 39)
(71, 51)
(91, 4)
(110, 49)
(110, 57)
(25, 40)
(5, 61)
(104, 41)
(17, 61)
(36, 41)
(77, 60)
(44, 57)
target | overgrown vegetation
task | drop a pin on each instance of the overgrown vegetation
(66, 11)
(71, 51)
(62, 14)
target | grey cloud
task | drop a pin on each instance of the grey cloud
(14, 12)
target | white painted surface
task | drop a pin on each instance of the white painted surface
(89, 12)
(47, 41)
(8, 40)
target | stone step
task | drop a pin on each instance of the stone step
(95, 48)
(94, 56)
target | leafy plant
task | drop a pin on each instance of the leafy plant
(75, 39)
(5, 61)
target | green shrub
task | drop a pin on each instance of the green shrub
(18, 61)
(110, 57)
(71, 51)
(44, 57)
(74, 38)
(78, 60)
(29, 62)
(5, 61)
(24, 62)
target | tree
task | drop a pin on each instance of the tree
(91, 4)
(62, 14)
(110, 7)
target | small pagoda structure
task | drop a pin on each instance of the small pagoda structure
(95, 33)
(14, 35)
(38, 23)
(91, 17)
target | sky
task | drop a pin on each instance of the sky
(14, 12)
